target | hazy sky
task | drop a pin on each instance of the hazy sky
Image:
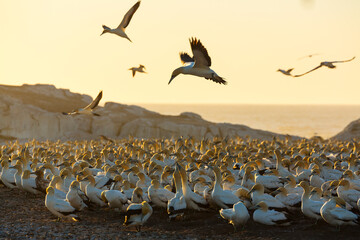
(58, 42)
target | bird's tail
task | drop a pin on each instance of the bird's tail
(106, 29)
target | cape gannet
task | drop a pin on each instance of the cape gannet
(177, 205)
(120, 30)
(198, 65)
(337, 216)
(89, 108)
(74, 198)
(269, 217)
(137, 214)
(238, 215)
(325, 64)
(59, 207)
(139, 69)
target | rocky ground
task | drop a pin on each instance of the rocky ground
(24, 216)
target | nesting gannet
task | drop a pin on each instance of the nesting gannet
(258, 195)
(28, 183)
(114, 198)
(222, 198)
(139, 69)
(137, 195)
(199, 65)
(7, 175)
(337, 216)
(238, 215)
(89, 108)
(349, 195)
(291, 200)
(325, 64)
(137, 214)
(269, 217)
(193, 200)
(309, 208)
(59, 207)
(74, 198)
(286, 72)
(159, 196)
(120, 30)
(177, 205)
(93, 193)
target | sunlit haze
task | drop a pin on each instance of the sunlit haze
(59, 42)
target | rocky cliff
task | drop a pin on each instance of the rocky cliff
(350, 132)
(34, 111)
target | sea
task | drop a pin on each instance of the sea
(300, 120)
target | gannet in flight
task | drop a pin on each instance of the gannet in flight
(89, 108)
(286, 72)
(120, 30)
(199, 64)
(137, 69)
(326, 64)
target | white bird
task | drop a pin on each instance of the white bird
(309, 208)
(88, 110)
(7, 175)
(222, 198)
(139, 69)
(137, 214)
(238, 215)
(325, 64)
(349, 195)
(193, 200)
(114, 198)
(258, 195)
(93, 193)
(28, 182)
(120, 30)
(269, 217)
(159, 196)
(74, 198)
(177, 205)
(337, 216)
(199, 65)
(59, 207)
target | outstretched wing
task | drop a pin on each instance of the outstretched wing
(95, 102)
(344, 60)
(308, 71)
(185, 58)
(201, 56)
(126, 20)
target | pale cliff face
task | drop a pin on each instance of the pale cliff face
(35, 111)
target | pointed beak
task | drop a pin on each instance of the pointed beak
(172, 77)
(102, 33)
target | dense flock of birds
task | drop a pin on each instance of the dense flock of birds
(274, 181)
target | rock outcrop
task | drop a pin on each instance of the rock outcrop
(35, 111)
(350, 132)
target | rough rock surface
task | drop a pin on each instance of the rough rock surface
(350, 132)
(35, 111)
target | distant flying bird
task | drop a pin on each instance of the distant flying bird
(137, 69)
(285, 72)
(309, 56)
(326, 64)
(199, 64)
(89, 108)
(120, 30)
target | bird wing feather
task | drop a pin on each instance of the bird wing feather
(95, 102)
(308, 71)
(201, 56)
(185, 58)
(344, 60)
(126, 20)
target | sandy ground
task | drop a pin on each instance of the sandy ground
(24, 215)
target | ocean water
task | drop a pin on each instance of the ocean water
(301, 120)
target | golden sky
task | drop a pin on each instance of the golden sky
(58, 42)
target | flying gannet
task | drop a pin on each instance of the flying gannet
(137, 69)
(89, 108)
(120, 30)
(286, 72)
(326, 64)
(199, 64)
